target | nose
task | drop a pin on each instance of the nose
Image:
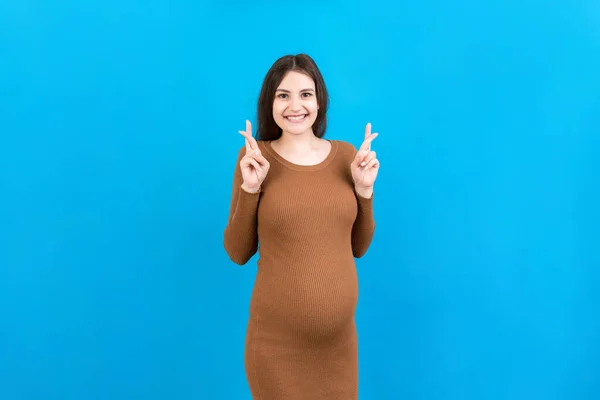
(296, 104)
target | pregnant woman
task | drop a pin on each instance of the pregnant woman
(305, 204)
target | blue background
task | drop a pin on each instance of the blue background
(118, 127)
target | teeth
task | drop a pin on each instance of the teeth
(300, 118)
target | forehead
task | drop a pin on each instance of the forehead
(296, 80)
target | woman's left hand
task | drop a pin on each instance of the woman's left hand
(365, 165)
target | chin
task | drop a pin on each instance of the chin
(297, 130)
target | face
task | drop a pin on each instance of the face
(295, 104)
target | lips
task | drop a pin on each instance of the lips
(296, 118)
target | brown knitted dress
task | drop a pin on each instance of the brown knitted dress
(301, 341)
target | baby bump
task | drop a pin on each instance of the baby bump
(311, 302)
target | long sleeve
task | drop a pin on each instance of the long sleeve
(364, 226)
(363, 229)
(240, 238)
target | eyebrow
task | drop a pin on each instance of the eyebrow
(287, 91)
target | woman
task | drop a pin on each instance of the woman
(308, 202)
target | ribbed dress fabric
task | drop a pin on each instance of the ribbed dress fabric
(308, 225)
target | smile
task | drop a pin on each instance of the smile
(296, 118)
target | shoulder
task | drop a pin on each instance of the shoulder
(345, 149)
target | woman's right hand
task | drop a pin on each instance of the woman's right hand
(253, 165)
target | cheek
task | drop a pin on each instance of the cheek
(277, 110)
(279, 107)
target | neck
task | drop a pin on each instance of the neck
(306, 140)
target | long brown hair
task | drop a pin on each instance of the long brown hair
(267, 127)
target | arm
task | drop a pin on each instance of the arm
(363, 229)
(240, 238)
(364, 168)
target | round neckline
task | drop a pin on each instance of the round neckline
(300, 167)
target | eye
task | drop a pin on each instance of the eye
(306, 94)
(282, 95)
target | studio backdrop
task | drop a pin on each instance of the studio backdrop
(119, 134)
